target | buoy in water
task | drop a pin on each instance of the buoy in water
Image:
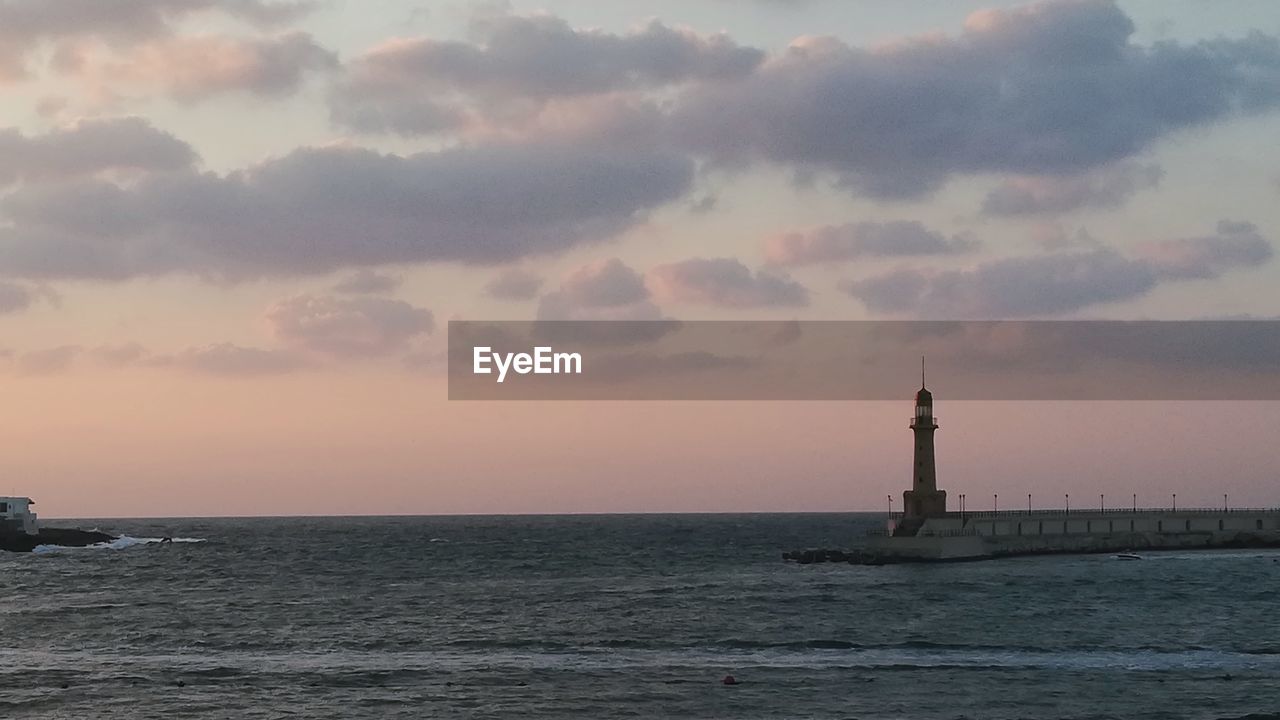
(730, 680)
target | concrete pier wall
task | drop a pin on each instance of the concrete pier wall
(965, 538)
(929, 548)
(1058, 523)
(938, 548)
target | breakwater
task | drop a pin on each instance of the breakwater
(983, 536)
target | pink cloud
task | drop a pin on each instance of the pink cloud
(193, 68)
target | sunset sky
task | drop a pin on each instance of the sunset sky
(232, 233)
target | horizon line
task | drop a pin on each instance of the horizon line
(1011, 512)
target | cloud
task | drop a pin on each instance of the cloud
(633, 366)
(1012, 287)
(1049, 89)
(514, 284)
(724, 282)
(601, 290)
(367, 282)
(193, 68)
(1106, 188)
(226, 359)
(317, 210)
(1052, 236)
(14, 298)
(121, 355)
(606, 283)
(420, 85)
(1059, 283)
(26, 25)
(840, 243)
(1234, 245)
(48, 361)
(90, 147)
(348, 327)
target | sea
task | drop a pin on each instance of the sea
(620, 616)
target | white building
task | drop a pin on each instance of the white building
(16, 515)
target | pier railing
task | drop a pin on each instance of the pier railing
(1063, 512)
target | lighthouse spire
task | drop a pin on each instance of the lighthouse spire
(921, 372)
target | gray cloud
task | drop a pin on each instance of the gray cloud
(514, 284)
(606, 283)
(14, 298)
(1233, 245)
(421, 85)
(367, 282)
(120, 355)
(48, 361)
(1059, 283)
(26, 24)
(1052, 236)
(1053, 88)
(1106, 188)
(628, 367)
(1013, 287)
(318, 210)
(348, 327)
(840, 243)
(90, 147)
(724, 282)
(601, 290)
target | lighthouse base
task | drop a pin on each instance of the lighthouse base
(922, 505)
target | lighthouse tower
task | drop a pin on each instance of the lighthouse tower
(924, 499)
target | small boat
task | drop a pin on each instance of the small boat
(1126, 556)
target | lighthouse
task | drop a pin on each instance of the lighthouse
(924, 499)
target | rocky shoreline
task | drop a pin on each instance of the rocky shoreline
(62, 537)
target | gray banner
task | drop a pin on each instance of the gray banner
(869, 360)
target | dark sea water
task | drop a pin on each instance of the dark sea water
(619, 617)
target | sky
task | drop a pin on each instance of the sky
(232, 233)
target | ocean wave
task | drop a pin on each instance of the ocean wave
(930, 646)
(121, 543)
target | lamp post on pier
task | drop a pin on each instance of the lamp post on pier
(1028, 503)
(995, 501)
(1067, 496)
(1175, 502)
(1102, 502)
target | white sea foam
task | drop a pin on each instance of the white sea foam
(121, 543)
